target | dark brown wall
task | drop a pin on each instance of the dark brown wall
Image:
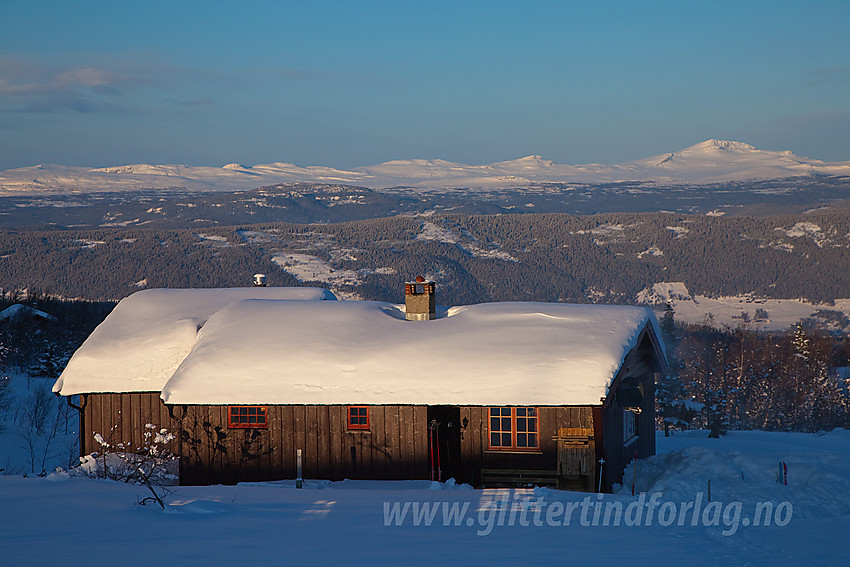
(121, 418)
(641, 363)
(475, 441)
(395, 447)
(616, 455)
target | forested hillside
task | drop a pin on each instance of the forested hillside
(742, 378)
(548, 257)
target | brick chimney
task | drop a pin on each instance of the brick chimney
(419, 300)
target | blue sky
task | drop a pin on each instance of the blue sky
(358, 83)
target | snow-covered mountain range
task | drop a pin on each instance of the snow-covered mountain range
(712, 161)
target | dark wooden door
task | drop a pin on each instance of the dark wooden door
(444, 442)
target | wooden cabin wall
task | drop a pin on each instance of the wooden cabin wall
(395, 447)
(121, 419)
(643, 363)
(475, 454)
(616, 455)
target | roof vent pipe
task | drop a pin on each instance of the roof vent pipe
(259, 280)
(419, 300)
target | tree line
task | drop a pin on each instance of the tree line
(741, 378)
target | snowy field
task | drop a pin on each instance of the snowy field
(776, 314)
(63, 517)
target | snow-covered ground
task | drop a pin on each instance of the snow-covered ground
(63, 517)
(761, 313)
(38, 431)
(464, 240)
(711, 161)
(308, 268)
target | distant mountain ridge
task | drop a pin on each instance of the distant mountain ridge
(711, 161)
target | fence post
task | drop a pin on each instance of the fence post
(299, 481)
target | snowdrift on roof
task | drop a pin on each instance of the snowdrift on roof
(148, 334)
(363, 352)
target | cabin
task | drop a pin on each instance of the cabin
(254, 380)
(34, 317)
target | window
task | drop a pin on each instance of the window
(513, 428)
(629, 427)
(247, 417)
(358, 417)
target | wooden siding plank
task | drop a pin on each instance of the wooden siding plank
(265, 463)
(228, 466)
(275, 453)
(379, 441)
(96, 401)
(210, 443)
(286, 441)
(392, 443)
(335, 441)
(107, 431)
(85, 425)
(406, 442)
(195, 421)
(299, 419)
(117, 422)
(105, 416)
(166, 421)
(92, 421)
(206, 426)
(144, 414)
(95, 421)
(477, 430)
(419, 437)
(135, 417)
(126, 421)
(323, 441)
(311, 450)
(365, 452)
(220, 448)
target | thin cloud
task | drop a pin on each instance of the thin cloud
(839, 74)
(302, 74)
(206, 101)
(30, 86)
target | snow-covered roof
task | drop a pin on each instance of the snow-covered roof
(363, 352)
(21, 310)
(148, 334)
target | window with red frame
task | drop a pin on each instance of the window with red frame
(358, 417)
(247, 417)
(513, 429)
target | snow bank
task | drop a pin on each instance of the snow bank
(290, 352)
(743, 466)
(148, 334)
(279, 524)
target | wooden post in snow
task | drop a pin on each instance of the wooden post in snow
(299, 481)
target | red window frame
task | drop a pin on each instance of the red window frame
(513, 428)
(358, 417)
(247, 417)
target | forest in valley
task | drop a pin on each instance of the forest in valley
(743, 378)
(474, 258)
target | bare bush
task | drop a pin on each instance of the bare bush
(148, 465)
